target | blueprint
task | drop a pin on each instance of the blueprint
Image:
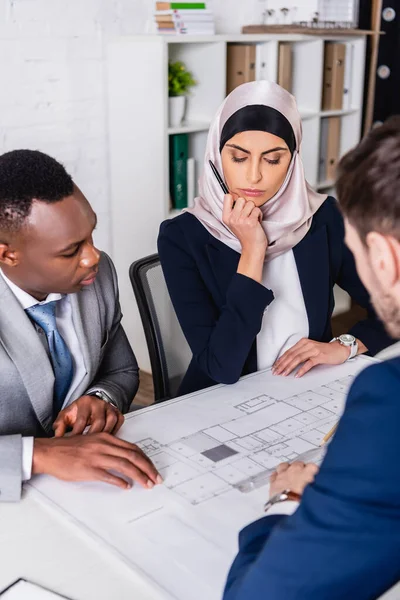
(215, 450)
(260, 433)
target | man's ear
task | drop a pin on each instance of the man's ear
(384, 255)
(8, 255)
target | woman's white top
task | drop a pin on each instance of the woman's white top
(285, 320)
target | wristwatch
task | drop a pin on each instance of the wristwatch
(282, 497)
(350, 342)
(103, 396)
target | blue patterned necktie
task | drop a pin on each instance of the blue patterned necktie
(44, 315)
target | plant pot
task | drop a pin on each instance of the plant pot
(176, 106)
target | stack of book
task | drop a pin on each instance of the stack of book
(188, 17)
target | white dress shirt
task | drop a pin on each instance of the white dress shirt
(66, 328)
(285, 320)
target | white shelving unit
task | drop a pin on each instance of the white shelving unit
(137, 90)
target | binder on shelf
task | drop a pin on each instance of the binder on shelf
(285, 66)
(332, 146)
(333, 83)
(323, 149)
(241, 65)
(348, 75)
(178, 157)
(262, 62)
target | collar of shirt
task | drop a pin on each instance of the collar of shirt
(25, 299)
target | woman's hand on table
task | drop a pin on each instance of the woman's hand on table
(309, 354)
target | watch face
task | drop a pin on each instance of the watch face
(347, 339)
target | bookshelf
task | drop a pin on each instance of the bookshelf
(138, 129)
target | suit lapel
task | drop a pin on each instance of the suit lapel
(86, 318)
(224, 263)
(23, 346)
(312, 260)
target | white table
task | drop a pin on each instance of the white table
(39, 546)
(45, 548)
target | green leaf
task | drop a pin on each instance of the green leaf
(180, 80)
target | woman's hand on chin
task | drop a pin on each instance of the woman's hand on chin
(244, 220)
(309, 354)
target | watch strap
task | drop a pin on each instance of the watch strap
(102, 395)
(286, 495)
(353, 347)
(354, 351)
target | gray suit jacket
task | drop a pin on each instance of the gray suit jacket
(26, 375)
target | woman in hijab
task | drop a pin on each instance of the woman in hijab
(251, 273)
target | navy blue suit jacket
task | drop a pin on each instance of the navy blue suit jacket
(221, 311)
(343, 542)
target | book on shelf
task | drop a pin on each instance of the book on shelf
(178, 171)
(180, 5)
(184, 15)
(241, 65)
(195, 30)
(333, 81)
(166, 25)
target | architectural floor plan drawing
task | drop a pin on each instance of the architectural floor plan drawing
(262, 433)
(211, 448)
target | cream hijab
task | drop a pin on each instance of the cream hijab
(288, 215)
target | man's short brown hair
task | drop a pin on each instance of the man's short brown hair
(368, 183)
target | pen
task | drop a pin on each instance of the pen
(218, 177)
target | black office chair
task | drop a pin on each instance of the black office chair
(169, 351)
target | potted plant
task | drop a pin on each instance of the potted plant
(180, 80)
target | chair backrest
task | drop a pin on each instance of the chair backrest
(169, 351)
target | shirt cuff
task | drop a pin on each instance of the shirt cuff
(283, 508)
(27, 458)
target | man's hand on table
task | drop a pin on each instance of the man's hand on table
(294, 477)
(96, 457)
(91, 412)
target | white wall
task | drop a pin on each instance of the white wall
(52, 81)
(52, 84)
